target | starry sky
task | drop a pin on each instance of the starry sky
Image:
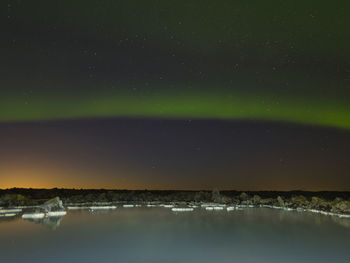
(175, 94)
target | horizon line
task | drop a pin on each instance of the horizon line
(185, 190)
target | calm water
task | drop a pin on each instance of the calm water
(159, 235)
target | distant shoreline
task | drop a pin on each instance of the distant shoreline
(327, 202)
(13, 212)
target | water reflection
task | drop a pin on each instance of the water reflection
(49, 222)
(4, 219)
(160, 235)
(249, 214)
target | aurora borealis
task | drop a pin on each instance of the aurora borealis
(244, 67)
(174, 105)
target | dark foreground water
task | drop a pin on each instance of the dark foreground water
(159, 235)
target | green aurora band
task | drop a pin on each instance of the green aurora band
(209, 36)
(238, 105)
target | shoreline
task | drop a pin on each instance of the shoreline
(25, 211)
(13, 201)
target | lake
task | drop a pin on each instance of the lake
(146, 235)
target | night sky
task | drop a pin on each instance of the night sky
(248, 95)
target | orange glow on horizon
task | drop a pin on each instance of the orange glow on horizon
(29, 176)
(54, 178)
